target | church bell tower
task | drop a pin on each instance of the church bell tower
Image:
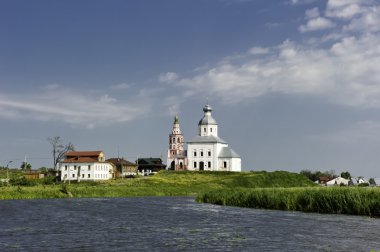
(176, 155)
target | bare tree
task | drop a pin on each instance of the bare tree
(59, 149)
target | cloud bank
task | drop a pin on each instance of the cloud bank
(337, 61)
(71, 107)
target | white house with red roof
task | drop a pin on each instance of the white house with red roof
(85, 166)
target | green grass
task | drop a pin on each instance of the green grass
(336, 200)
(165, 183)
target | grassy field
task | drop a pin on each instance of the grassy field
(336, 200)
(165, 183)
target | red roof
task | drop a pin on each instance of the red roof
(83, 153)
(82, 156)
(81, 160)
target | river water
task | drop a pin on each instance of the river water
(175, 224)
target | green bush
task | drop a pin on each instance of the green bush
(22, 181)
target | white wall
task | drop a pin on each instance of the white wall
(97, 171)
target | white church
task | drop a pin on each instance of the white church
(206, 152)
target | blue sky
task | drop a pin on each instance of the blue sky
(294, 83)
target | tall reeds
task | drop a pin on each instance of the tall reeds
(335, 200)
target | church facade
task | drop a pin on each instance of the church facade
(207, 151)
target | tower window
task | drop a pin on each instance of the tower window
(210, 129)
(201, 153)
(195, 153)
(209, 153)
(209, 164)
(224, 164)
(195, 164)
(204, 129)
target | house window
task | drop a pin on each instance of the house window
(195, 164)
(210, 129)
(65, 167)
(204, 129)
(224, 164)
(89, 167)
(75, 167)
(195, 153)
(88, 175)
(209, 164)
(209, 153)
(201, 153)
(73, 175)
(82, 175)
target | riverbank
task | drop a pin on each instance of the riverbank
(164, 183)
(333, 200)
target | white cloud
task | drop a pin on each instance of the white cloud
(71, 107)
(319, 23)
(258, 50)
(312, 13)
(120, 86)
(52, 86)
(300, 2)
(340, 66)
(168, 77)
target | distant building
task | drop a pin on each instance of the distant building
(123, 168)
(323, 180)
(176, 154)
(338, 181)
(85, 165)
(207, 151)
(377, 181)
(149, 165)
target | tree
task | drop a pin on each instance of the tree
(26, 166)
(345, 175)
(59, 150)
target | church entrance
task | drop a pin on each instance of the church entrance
(201, 166)
(172, 166)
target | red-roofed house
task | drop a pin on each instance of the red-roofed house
(85, 165)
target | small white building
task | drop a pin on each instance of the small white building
(85, 166)
(207, 151)
(338, 181)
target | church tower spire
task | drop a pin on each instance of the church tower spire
(176, 157)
